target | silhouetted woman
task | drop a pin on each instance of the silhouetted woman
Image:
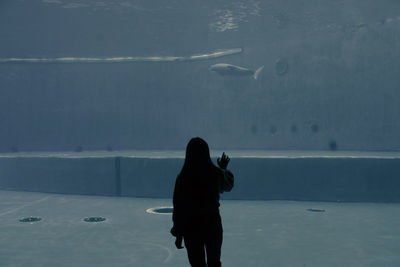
(196, 215)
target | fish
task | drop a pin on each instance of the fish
(232, 70)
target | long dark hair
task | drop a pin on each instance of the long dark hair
(196, 187)
(198, 164)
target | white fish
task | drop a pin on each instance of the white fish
(232, 70)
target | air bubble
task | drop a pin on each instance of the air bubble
(273, 130)
(281, 66)
(314, 128)
(332, 145)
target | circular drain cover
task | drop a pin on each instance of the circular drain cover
(94, 219)
(160, 210)
(30, 219)
(316, 210)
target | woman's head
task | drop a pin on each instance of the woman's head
(198, 163)
(197, 154)
(197, 177)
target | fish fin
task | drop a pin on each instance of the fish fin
(257, 72)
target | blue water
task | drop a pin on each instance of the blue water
(330, 77)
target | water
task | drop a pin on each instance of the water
(328, 67)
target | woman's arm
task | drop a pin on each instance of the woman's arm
(227, 180)
(177, 229)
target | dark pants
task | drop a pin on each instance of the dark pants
(207, 241)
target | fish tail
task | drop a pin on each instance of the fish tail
(257, 72)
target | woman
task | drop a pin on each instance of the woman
(196, 215)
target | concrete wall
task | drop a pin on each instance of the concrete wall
(144, 177)
(327, 179)
(317, 179)
(59, 175)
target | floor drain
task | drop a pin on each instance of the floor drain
(30, 219)
(316, 210)
(94, 219)
(160, 210)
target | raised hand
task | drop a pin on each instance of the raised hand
(223, 161)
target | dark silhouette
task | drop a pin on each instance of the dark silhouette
(196, 215)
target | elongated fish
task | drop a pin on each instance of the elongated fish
(232, 70)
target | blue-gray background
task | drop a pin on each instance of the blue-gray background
(341, 85)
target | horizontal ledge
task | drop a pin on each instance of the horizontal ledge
(180, 154)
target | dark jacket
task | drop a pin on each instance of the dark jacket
(196, 200)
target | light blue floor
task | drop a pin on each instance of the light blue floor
(256, 233)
